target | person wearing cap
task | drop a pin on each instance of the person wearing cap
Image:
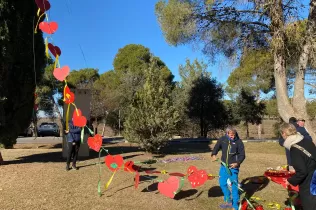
(299, 125)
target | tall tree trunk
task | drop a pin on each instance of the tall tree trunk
(299, 101)
(103, 130)
(277, 27)
(247, 129)
(259, 130)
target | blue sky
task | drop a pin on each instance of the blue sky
(101, 27)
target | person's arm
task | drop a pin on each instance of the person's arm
(241, 152)
(299, 165)
(73, 129)
(217, 147)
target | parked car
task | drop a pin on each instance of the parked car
(27, 132)
(48, 129)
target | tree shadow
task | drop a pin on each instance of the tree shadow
(254, 184)
(214, 192)
(180, 148)
(57, 156)
(185, 194)
(151, 188)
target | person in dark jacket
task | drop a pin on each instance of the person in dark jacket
(304, 166)
(302, 131)
(233, 154)
(73, 143)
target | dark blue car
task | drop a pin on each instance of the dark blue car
(48, 129)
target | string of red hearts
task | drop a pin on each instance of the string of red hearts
(60, 73)
(169, 187)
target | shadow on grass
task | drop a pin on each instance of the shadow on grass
(185, 194)
(172, 148)
(215, 191)
(251, 185)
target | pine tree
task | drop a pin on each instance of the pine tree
(152, 117)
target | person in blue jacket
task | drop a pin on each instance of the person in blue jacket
(73, 143)
(233, 154)
(299, 128)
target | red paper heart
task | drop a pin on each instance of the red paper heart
(44, 5)
(196, 177)
(78, 119)
(129, 166)
(55, 50)
(95, 142)
(69, 97)
(136, 181)
(114, 162)
(61, 73)
(169, 187)
(48, 28)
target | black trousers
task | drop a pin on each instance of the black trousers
(73, 149)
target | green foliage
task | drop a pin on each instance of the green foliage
(152, 117)
(249, 110)
(271, 107)
(128, 76)
(189, 73)
(311, 109)
(205, 105)
(219, 26)
(17, 70)
(233, 118)
(83, 78)
(254, 74)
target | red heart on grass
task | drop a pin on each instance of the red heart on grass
(48, 27)
(55, 50)
(129, 166)
(95, 142)
(196, 177)
(78, 119)
(114, 162)
(69, 97)
(136, 182)
(61, 73)
(169, 187)
(44, 5)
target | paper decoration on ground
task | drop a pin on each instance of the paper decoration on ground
(136, 180)
(170, 187)
(48, 28)
(55, 50)
(130, 167)
(114, 163)
(196, 177)
(181, 159)
(61, 73)
(279, 177)
(95, 142)
(43, 5)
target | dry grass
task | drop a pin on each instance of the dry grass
(35, 178)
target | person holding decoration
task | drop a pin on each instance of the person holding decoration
(73, 139)
(303, 157)
(233, 154)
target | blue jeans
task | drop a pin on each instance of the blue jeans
(223, 177)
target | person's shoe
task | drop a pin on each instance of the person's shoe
(74, 167)
(67, 168)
